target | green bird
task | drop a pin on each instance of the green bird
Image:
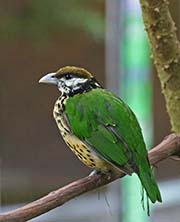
(99, 127)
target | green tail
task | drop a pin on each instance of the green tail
(148, 181)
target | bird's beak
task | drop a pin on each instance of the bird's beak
(49, 78)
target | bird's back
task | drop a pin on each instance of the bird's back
(109, 126)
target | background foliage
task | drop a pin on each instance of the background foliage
(32, 21)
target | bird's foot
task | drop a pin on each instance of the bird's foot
(94, 172)
(107, 174)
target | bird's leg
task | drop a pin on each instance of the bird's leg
(107, 174)
(94, 172)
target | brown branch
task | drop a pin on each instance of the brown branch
(170, 146)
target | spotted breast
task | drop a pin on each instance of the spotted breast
(85, 153)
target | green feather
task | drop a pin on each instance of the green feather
(109, 126)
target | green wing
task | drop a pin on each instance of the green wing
(108, 125)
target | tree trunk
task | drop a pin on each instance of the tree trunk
(165, 48)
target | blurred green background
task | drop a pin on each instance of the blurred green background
(41, 20)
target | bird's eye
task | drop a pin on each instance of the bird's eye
(68, 76)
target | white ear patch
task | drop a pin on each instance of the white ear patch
(68, 85)
(75, 82)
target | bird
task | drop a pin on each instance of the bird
(100, 128)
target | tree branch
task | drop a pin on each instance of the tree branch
(165, 47)
(169, 147)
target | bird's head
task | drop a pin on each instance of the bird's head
(71, 80)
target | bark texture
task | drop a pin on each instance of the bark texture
(165, 48)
